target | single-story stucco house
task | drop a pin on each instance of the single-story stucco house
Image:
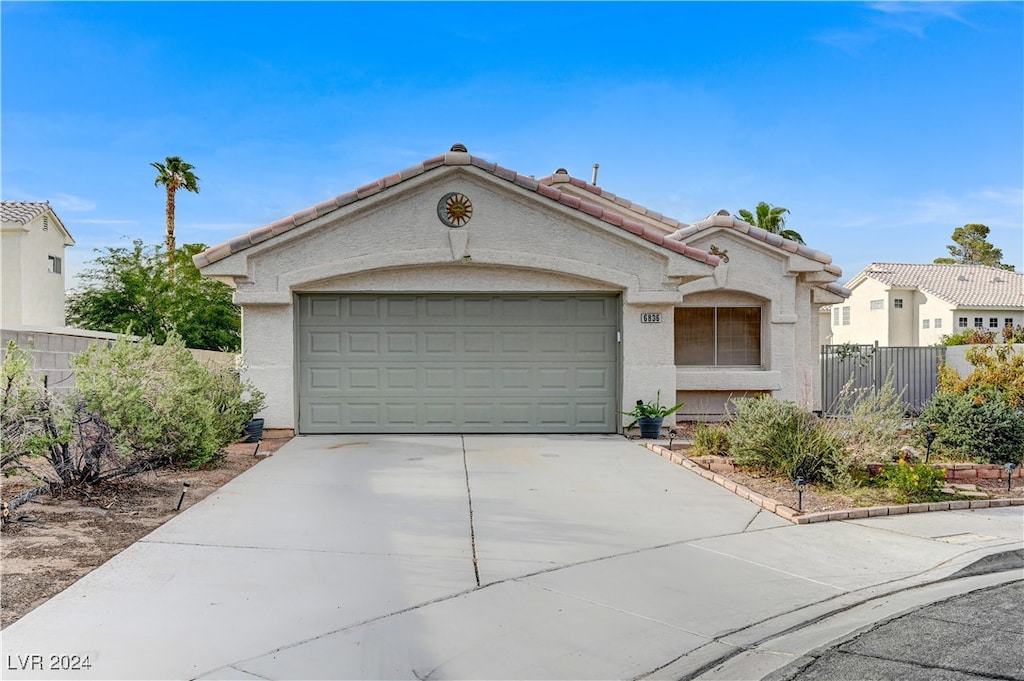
(460, 296)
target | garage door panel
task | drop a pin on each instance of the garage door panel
(457, 363)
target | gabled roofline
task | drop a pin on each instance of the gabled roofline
(457, 156)
(44, 207)
(722, 218)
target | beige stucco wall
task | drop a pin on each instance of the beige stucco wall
(513, 243)
(31, 295)
(516, 241)
(757, 275)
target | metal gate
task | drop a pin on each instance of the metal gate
(914, 371)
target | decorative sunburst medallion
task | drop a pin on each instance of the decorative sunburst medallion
(455, 209)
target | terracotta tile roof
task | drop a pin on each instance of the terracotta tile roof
(722, 218)
(960, 285)
(22, 211)
(458, 156)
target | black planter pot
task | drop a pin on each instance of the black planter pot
(254, 430)
(650, 428)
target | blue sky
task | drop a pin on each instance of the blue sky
(881, 126)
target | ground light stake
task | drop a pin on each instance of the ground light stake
(184, 489)
(1009, 474)
(929, 437)
(800, 484)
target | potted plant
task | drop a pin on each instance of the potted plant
(649, 416)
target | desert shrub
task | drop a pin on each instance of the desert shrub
(968, 337)
(870, 430)
(161, 402)
(913, 482)
(54, 441)
(780, 438)
(998, 372)
(976, 425)
(710, 440)
(1013, 334)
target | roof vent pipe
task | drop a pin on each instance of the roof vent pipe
(594, 180)
(458, 147)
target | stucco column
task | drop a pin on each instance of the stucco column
(648, 356)
(270, 362)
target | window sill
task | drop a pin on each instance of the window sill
(730, 378)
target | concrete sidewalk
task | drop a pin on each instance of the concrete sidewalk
(486, 557)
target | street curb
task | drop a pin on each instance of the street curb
(799, 518)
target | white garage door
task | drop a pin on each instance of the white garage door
(458, 363)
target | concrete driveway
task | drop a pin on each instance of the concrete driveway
(487, 557)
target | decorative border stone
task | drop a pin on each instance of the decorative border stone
(797, 518)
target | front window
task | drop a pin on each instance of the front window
(962, 322)
(835, 316)
(718, 336)
(897, 303)
(1008, 321)
(53, 264)
(878, 304)
(993, 322)
(924, 323)
(938, 322)
(846, 315)
(978, 322)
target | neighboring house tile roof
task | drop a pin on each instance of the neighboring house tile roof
(458, 156)
(960, 285)
(22, 211)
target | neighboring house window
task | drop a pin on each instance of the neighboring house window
(978, 322)
(718, 336)
(993, 322)
(835, 316)
(878, 304)
(53, 264)
(846, 315)
(962, 322)
(924, 323)
(938, 322)
(1009, 321)
(897, 303)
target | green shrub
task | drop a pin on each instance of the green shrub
(913, 482)
(780, 438)
(968, 337)
(161, 403)
(710, 440)
(976, 426)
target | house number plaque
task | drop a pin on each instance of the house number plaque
(650, 318)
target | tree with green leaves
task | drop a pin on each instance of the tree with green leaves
(971, 247)
(130, 290)
(175, 174)
(771, 219)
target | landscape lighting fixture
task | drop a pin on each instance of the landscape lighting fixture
(672, 435)
(1009, 474)
(800, 485)
(184, 488)
(929, 437)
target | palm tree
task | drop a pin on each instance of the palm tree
(771, 219)
(175, 174)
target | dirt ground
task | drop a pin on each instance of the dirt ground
(50, 542)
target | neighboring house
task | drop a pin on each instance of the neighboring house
(32, 276)
(915, 305)
(460, 296)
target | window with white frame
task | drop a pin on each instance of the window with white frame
(878, 304)
(846, 315)
(979, 323)
(897, 303)
(1008, 321)
(53, 264)
(718, 336)
(993, 322)
(925, 323)
(961, 322)
(938, 322)
(835, 316)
